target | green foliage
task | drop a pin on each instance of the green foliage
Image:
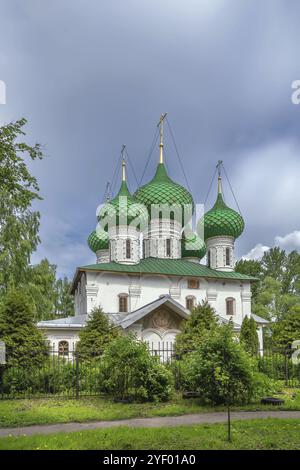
(220, 369)
(287, 330)
(25, 344)
(64, 302)
(201, 320)
(129, 371)
(248, 336)
(18, 190)
(96, 336)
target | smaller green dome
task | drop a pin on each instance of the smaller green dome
(123, 208)
(192, 246)
(221, 220)
(98, 240)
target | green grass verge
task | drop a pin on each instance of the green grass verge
(256, 434)
(49, 411)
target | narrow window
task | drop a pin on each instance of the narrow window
(190, 302)
(168, 246)
(123, 303)
(208, 258)
(128, 249)
(63, 348)
(227, 256)
(230, 306)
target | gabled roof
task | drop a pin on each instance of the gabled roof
(146, 309)
(156, 266)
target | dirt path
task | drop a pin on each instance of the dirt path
(209, 418)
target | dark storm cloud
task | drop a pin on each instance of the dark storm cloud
(92, 75)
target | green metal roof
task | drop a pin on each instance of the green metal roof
(162, 190)
(124, 208)
(192, 246)
(222, 220)
(98, 240)
(170, 267)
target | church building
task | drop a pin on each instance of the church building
(148, 273)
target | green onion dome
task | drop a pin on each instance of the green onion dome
(123, 209)
(221, 220)
(162, 190)
(192, 246)
(98, 240)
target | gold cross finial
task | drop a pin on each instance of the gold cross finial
(161, 132)
(123, 164)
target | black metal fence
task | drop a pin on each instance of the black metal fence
(66, 374)
(280, 364)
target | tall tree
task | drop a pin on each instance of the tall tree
(25, 344)
(273, 262)
(19, 224)
(287, 330)
(248, 336)
(95, 337)
(41, 286)
(201, 320)
(64, 300)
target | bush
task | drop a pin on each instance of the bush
(130, 372)
(220, 369)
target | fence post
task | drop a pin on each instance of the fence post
(286, 369)
(77, 374)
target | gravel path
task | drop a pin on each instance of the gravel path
(210, 418)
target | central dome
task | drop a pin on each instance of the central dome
(162, 190)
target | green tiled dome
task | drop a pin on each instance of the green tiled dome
(162, 190)
(98, 240)
(221, 220)
(192, 247)
(123, 208)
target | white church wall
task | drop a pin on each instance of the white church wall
(104, 289)
(54, 336)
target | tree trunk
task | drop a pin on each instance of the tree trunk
(228, 424)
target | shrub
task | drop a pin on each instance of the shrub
(130, 372)
(220, 369)
(248, 336)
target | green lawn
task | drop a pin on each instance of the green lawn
(47, 411)
(256, 434)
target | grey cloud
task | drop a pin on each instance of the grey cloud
(93, 75)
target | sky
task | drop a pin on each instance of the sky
(91, 75)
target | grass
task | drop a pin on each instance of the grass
(27, 412)
(256, 434)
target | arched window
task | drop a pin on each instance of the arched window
(168, 247)
(227, 256)
(230, 306)
(128, 248)
(190, 302)
(123, 302)
(63, 348)
(208, 258)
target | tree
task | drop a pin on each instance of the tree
(248, 336)
(251, 268)
(19, 225)
(287, 330)
(64, 305)
(222, 370)
(95, 337)
(273, 262)
(201, 319)
(25, 344)
(41, 286)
